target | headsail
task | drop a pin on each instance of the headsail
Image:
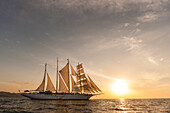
(62, 86)
(65, 74)
(42, 85)
(50, 86)
(73, 72)
(92, 88)
(94, 85)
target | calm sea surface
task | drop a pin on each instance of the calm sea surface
(20, 105)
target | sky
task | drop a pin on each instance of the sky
(114, 39)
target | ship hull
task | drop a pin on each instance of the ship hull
(57, 96)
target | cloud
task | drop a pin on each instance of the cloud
(144, 84)
(132, 43)
(148, 17)
(102, 7)
(137, 24)
(136, 31)
(107, 44)
(18, 42)
(151, 59)
(15, 81)
(6, 39)
(27, 83)
(9, 86)
(126, 24)
(101, 75)
(162, 59)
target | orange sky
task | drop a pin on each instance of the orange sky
(118, 39)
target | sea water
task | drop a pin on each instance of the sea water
(21, 105)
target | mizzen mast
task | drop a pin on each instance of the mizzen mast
(68, 77)
(57, 77)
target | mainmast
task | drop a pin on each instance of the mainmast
(68, 77)
(57, 77)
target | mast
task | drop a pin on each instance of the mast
(45, 75)
(80, 79)
(57, 77)
(68, 77)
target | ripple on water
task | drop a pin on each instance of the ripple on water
(95, 106)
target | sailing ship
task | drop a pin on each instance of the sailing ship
(70, 85)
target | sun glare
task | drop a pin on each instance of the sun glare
(120, 87)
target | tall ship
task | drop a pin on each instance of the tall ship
(70, 85)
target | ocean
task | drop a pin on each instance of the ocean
(23, 105)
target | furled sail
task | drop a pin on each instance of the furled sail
(80, 71)
(50, 86)
(73, 71)
(81, 80)
(42, 85)
(74, 86)
(62, 86)
(65, 74)
(84, 82)
(80, 77)
(79, 66)
(94, 85)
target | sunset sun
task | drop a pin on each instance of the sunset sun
(120, 87)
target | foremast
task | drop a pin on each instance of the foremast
(84, 82)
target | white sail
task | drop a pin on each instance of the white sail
(62, 87)
(65, 74)
(91, 87)
(50, 86)
(94, 85)
(42, 85)
(73, 71)
(74, 86)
